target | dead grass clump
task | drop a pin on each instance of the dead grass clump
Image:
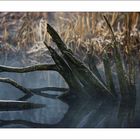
(80, 30)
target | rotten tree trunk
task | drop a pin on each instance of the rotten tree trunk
(86, 78)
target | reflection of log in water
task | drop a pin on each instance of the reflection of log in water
(126, 114)
(94, 113)
(88, 113)
(11, 105)
(22, 122)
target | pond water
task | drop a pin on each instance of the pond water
(89, 113)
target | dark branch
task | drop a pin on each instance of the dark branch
(15, 84)
(41, 67)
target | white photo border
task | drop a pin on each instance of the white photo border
(70, 6)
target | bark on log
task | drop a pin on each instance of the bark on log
(41, 67)
(64, 69)
(89, 80)
(79, 78)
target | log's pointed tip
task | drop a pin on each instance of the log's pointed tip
(49, 27)
(48, 24)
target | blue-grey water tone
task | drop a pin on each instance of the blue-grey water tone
(54, 110)
(93, 113)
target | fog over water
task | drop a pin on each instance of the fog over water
(86, 114)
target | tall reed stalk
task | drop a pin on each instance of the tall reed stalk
(121, 73)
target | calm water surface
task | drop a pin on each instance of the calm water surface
(95, 113)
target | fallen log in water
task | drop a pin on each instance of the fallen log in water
(67, 74)
(87, 78)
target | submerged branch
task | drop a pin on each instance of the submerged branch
(15, 84)
(58, 89)
(46, 95)
(30, 92)
(41, 67)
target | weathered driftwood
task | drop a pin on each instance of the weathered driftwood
(87, 78)
(67, 73)
(41, 67)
